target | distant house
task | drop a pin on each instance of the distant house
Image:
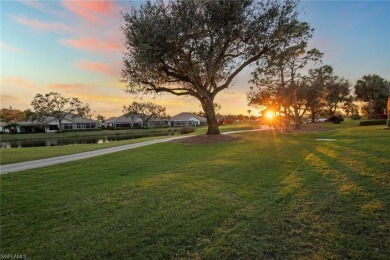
(187, 119)
(50, 124)
(182, 119)
(2, 127)
(125, 121)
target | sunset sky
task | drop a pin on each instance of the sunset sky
(75, 48)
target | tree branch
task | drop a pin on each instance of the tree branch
(239, 69)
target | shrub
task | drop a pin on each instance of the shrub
(355, 117)
(388, 122)
(373, 122)
(335, 119)
(187, 130)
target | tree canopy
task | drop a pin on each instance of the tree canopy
(11, 115)
(196, 47)
(55, 105)
(373, 90)
(145, 110)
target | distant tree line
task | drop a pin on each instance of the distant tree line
(320, 93)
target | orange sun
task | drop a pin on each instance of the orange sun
(269, 114)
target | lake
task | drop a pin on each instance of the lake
(76, 140)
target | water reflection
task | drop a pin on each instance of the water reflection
(78, 140)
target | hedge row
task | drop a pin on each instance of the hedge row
(373, 122)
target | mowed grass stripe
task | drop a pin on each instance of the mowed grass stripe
(265, 196)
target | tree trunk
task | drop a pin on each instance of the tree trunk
(59, 125)
(212, 123)
(284, 102)
(370, 109)
(313, 114)
(296, 110)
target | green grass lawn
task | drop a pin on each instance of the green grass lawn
(16, 155)
(267, 196)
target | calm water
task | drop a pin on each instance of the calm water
(80, 140)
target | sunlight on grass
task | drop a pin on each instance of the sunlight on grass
(267, 196)
(328, 152)
(344, 184)
(373, 206)
(291, 183)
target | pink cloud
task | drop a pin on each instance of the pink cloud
(42, 26)
(19, 82)
(92, 44)
(8, 47)
(91, 10)
(72, 88)
(97, 67)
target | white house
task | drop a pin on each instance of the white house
(2, 129)
(182, 119)
(187, 119)
(50, 124)
(125, 121)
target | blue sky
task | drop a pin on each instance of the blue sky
(75, 48)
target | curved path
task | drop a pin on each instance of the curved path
(15, 167)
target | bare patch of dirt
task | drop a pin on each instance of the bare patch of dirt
(208, 139)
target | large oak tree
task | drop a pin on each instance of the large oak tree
(197, 47)
(55, 105)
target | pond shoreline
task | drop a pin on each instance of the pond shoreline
(75, 140)
(86, 134)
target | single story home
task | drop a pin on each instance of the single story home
(125, 121)
(182, 119)
(50, 124)
(2, 127)
(187, 119)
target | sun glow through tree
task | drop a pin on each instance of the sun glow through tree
(269, 114)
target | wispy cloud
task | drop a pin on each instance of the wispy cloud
(21, 82)
(12, 86)
(93, 44)
(43, 26)
(8, 47)
(97, 67)
(40, 6)
(93, 11)
(103, 100)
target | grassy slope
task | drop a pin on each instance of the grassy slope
(16, 155)
(266, 196)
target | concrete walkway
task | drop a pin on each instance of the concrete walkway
(15, 167)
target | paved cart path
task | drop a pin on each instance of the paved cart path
(15, 167)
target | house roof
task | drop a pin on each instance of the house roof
(110, 120)
(128, 119)
(70, 117)
(187, 116)
(122, 119)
